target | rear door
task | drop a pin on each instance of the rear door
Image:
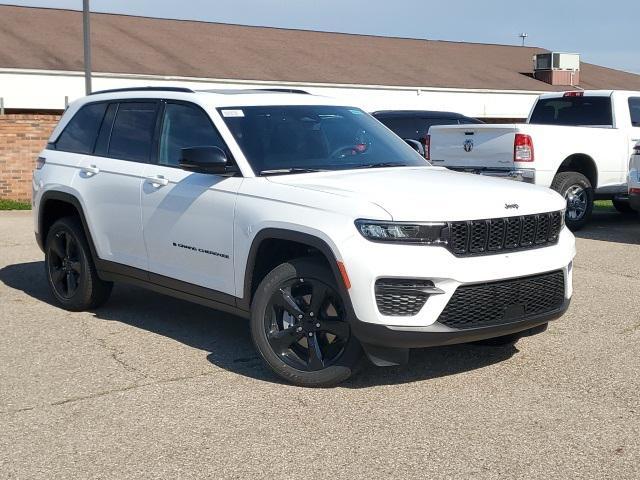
(472, 146)
(110, 178)
(188, 217)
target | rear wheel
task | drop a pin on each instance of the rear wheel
(578, 191)
(623, 207)
(70, 270)
(300, 325)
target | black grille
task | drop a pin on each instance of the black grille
(401, 297)
(497, 303)
(479, 237)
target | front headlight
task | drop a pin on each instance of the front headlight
(418, 233)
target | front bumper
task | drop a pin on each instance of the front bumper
(367, 262)
(438, 334)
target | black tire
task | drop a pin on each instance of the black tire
(70, 270)
(578, 191)
(623, 207)
(284, 340)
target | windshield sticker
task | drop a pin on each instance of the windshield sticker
(232, 113)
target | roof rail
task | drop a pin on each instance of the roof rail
(145, 89)
(284, 90)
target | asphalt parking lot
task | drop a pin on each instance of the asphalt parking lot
(153, 387)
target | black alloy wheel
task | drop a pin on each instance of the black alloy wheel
(70, 269)
(305, 324)
(65, 268)
(301, 327)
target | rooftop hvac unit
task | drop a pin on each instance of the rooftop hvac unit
(557, 68)
(557, 61)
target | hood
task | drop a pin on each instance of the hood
(431, 193)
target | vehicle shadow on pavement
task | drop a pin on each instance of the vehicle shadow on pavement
(611, 226)
(226, 338)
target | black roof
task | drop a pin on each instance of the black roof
(417, 113)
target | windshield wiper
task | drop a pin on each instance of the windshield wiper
(383, 165)
(284, 171)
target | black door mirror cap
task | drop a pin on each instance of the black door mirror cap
(206, 159)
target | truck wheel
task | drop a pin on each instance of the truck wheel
(578, 191)
(70, 270)
(623, 206)
(300, 326)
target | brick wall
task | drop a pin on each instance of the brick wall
(22, 137)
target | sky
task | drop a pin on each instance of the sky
(605, 33)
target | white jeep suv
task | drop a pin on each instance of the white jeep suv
(308, 217)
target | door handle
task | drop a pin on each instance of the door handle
(90, 170)
(158, 181)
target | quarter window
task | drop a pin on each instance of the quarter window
(185, 126)
(132, 132)
(79, 136)
(634, 109)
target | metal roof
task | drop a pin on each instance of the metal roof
(51, 39)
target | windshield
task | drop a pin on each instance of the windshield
(295, 138)
(573, 111)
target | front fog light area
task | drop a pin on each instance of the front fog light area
(425, 233)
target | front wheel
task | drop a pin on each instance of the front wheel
(578, 191)
(300, 326)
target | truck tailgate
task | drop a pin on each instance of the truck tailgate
(473, 146)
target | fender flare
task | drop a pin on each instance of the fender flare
(72, 200)
(294, 236)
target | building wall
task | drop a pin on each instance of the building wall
(33, 89)
(22, 137)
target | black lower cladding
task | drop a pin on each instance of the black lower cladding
(508, 301)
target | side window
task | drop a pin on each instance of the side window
(132, 132)
(185, 126)
(102, 144)
(405, 127)
(634, 109)
(79, 136)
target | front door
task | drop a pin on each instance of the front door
(188, 217)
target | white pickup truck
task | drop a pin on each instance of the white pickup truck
(579, 143)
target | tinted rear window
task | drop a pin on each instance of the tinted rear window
(79, 136)
(573, 111)
(132, 132)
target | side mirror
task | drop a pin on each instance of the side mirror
(204, 160)
(416, 145)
